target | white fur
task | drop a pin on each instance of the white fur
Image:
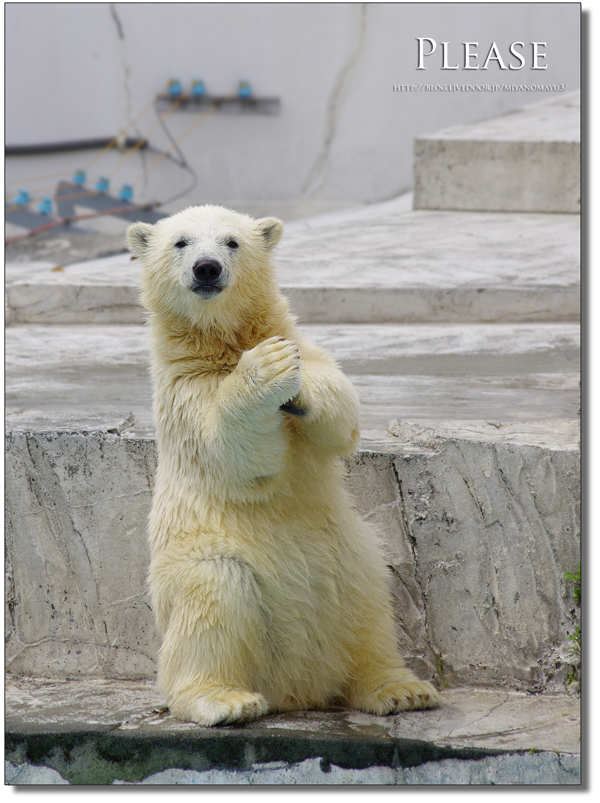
(266, 585)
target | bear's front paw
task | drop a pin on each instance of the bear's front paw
(273, 369)
(219, 706)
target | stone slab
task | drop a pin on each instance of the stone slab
(525, 161)
(396, 266)
(499, 372)
(478, 534)
(103, 732)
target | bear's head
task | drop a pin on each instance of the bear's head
(207, 265)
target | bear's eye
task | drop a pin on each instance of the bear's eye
(180, 244)
(232, 244)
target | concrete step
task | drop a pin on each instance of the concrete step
(431, 372)
(525, 161)
(478, 534)
(469, 466)
(119, 732)
(396, 266)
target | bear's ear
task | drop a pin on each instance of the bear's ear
(138, 237)
(271, 230)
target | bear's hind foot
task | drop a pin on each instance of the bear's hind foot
(396, 696)
(218, 706)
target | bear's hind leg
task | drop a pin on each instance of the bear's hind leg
(379, 683)
(209, 662)
(399, 690)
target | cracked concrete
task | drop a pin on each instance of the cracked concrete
(475, 737)
(72, 552)
(480, 596)
(317, 173)
(543, 768)
(485, 582)
(124, 62)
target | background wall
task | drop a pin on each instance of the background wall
(85, 70)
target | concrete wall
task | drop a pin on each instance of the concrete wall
(84, 70)
(478, 537)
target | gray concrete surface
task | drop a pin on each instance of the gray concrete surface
(525, 161)
(63, 246)
(396, 266)
(478, 535)
(502, 372)
(476, 737)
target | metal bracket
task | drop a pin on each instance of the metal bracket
(226, 105)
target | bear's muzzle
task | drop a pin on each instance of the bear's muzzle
(208, 278)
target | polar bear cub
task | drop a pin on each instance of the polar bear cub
(266, 585)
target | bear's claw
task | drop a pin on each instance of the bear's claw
(392, 698)
(291, 409)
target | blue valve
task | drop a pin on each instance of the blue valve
(21, 198)
(102, 184)
(174, 88)
(244, 89)
(45, 205)
(126, 192)
(79, 177)
(198, 88)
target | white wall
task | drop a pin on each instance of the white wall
(342, 134)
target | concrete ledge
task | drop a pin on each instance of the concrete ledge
(496, 176)
(56, 376)
(118, 304)
(41, 303)
(403, 266)
(525, 161)
(477, 531)
(106, 732)
(444, 305)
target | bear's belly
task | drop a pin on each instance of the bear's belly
(305, 572)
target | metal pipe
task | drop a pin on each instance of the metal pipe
(75, 145)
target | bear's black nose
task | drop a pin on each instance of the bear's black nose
(207, 271)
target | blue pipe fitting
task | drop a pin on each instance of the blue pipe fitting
(244, 89)
(174, 88)
(198, 89)
(79, 177)
(45, 205)
(21, 198)
(102, 184)
(126, 192)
